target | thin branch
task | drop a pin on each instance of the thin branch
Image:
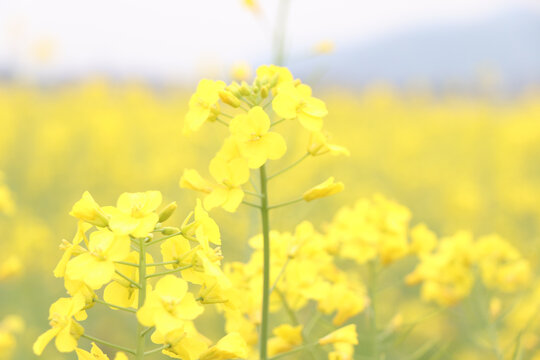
(290, 166)
(134, 283)
(285, 203)
(251, 204)
(169, 271)
(128, 350)
(115, 306)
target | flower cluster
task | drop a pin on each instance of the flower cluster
(111, 251)
(303, 272)
(448, 270)
(253, 139)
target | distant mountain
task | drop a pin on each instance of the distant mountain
(504, 50)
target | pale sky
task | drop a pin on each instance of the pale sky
(180, 39)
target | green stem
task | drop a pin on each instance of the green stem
(163, 263)
(157, 349)
(169, 271)
(115, 306)
(251, 204)
(281, 272)
(163, 238)
(266, 263)
(127, 263)
(295, 321)
(106, 343)
(285, 203)
(221, 121)
(128, 279)
(290, 166)
(227, 115)
(253, 193)
(145, 331)
(141, 335)
(372, 290)
(277, 122)
(483, 305)
(279, 33)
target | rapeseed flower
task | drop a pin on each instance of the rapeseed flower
(96, 266)
(203, 105)
(134, 213)
(169, 305)
(255, 142)
(63, 326)
(296, 102)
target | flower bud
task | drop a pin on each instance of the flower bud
(234, 88)
(327, 188)
(244, 89)
(88, 210)
(228, 98)
(264, 92)
(167, 211)
(169, 230)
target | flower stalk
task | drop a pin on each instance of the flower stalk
(266, 263)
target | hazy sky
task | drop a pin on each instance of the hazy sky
(178, 38)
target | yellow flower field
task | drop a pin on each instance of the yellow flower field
(407, 228)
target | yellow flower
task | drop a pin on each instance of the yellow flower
(96, 267)
(255, 142)
(88, 210)
(296, 102)
(192, 180)
(273, 76)
(7, 344)
(66, 330)
(324, 47)
(203, 228)
(203, 105)
(77, 287)
(11, 267)
(502, 266)
(185, 342)
(351, 302)
(342, 351)
(169, 305)
(176, 248)
(241, 70)
(97, 354)
(324, 189)
(446, 273)
(318, 145)
(72, 248)
(423, 240)
(135, 213)
(286, 337)
(346, 335)
(230, 170)
(231, 346)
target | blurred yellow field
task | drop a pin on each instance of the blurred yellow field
(429, 182)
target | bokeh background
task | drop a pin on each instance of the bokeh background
(437, 101)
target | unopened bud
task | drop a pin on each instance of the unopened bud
(169, 230)
(264, 92)
(234, 88)
(167, 211)
(244, 89)
(228, 98)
